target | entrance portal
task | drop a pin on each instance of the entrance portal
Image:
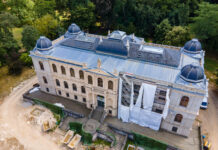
(100, 100)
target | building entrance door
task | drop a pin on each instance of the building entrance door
(100, 100)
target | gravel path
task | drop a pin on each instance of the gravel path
(13, 124)
(209, 119)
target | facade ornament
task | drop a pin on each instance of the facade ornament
(99, 63)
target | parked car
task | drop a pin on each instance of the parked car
(204, 103)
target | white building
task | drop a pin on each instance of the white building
(153, 86)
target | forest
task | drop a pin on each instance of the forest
(170, 22)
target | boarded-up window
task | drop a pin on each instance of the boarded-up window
(63, 71)
(100, 82)
(90, 80)
(178, 118)
(81, 74)
(110, 85)
(72, 73)
(184, 101)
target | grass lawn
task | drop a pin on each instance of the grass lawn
(101, 142)
(211, 64)
(7, 82)
(17, 33)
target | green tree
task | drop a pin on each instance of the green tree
(7, 43)
(47, 26)
(161, 30)
(83, 15)
(14, 64)
(177, 36)
(23, 9)
(205, 25)
(43, 7)
(26, 59)
(29, 37)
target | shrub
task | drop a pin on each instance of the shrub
(148, 142)
(77, 127)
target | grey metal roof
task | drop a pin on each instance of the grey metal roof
(119, 47)
(193, 46)
(192, 73)
(111, 63)
(43, 43)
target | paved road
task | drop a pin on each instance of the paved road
(209, 118)
(13, 124)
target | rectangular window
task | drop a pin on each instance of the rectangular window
(67, 94)
(59, 92)
(159, 111)
(47, 89)
(163, 93)
(174, 129)
(110, 111)
(75, 97)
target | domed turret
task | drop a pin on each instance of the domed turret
(192, 73)
(192, 46)
(43, 43)
(74, 29)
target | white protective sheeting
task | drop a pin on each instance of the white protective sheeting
(123, 111)
(143, 116)
(166, 107)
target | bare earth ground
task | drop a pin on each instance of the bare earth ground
(209, 118)
(15, 133)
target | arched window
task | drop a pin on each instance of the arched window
(83, 89)
(72, 73)
(90, 80)
(63, 70)
(110, 85)
(81, 74)
(65, 84)
(74, 87)
(178, 118)
(54, 68)
(184, 101)
(100, 82)
(41, 65)
(57, 82)
(44, 79)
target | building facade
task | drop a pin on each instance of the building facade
(110, 71)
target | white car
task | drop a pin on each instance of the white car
(204, 103)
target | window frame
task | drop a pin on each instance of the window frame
(100, 82)
(54, 68)
(63, 70)
(41, 65)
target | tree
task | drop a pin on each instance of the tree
(26, 59)
(161, 30)
(44, 7)
(14, 64)
(205, 25)
(47, 26)
(23, 9)
(29, 37)
(177, 36)
(7, 43)
(83, 15)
